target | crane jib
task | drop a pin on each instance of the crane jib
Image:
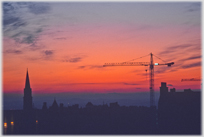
(151, 64)
(127, 63)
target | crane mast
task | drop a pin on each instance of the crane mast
(151, 68)
(151, 72)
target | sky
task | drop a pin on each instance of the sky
(64, 46)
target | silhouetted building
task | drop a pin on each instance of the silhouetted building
(54, 106)
(44, 107)
(61, 108)
(76, 106)
(89, 105)
(27, 99)
(113, 105)
(188, 90)
(173, 90)
(179, 112)
(21, 121)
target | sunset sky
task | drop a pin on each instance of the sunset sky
(64, 45)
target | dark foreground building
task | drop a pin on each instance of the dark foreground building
(178, 113)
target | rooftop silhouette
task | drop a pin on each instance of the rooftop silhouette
(177, 113)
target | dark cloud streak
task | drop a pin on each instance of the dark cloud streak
(81, 67)
(39, 8)
(73, 60)
(96, 66)
(28, 39)
(48, 52)
(173, 49)
(91, 67)
(192, 58)
(62, 38)
(13, 51)
(18, 27)
(181, 54)
(197, 64)
(196, 6)
(130, 84)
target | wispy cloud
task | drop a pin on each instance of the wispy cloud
(173, 49)
(162, 69)
(96, 67)
(192, 65)
(34, 59)
(196, 6)
(191, 58)
(62, 38)
(29, 39)
(48, 55)
(39, 8)
(91, 67)
(48, 52)
(11, 21)
(181, 54)
(21, 28)
(10, 51)
(35, 47)
(73, 60)
(81, 67)
(130, 84)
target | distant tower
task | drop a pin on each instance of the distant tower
(44, 106)
(54, 106)
(27, 99)
(163, 89)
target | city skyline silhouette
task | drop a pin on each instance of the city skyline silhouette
(105, 119)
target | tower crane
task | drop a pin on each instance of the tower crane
(192, 79)
(151, 65)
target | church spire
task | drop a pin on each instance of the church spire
(27, 84)
(27, 99)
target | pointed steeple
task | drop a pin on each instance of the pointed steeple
(27, 99)
(54, 104)
(27, 84)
